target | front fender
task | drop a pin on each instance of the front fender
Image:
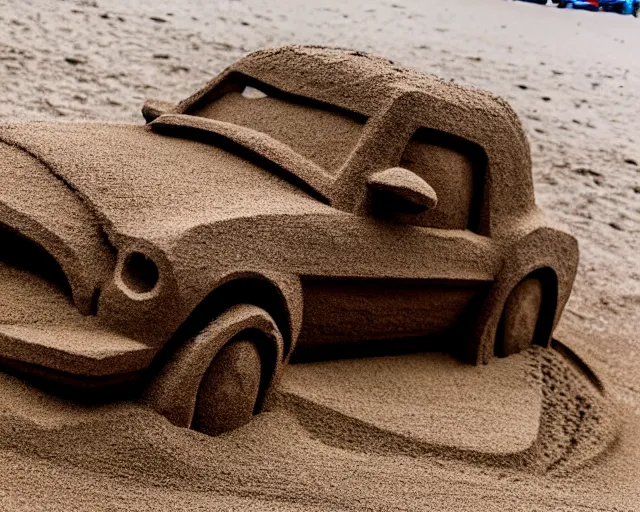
(173, 392)
(288, 286)
(278, 293)
(542, 249)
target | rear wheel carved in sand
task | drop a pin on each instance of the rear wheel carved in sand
(221, 376)
(520, 318)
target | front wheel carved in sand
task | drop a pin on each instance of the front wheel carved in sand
(229, 390)
(219, 378)
(520, 318)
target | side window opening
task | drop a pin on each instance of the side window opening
(455, 168)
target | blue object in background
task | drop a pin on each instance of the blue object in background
(579, 4)
(619, 6)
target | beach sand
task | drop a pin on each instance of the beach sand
(544, 430)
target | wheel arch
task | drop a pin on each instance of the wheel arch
(278, 294)
(548, 309)
(270, 309)
(174, 385)
(548, 254)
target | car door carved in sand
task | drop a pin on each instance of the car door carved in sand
(417, 290)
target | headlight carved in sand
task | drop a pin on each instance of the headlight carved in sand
(137, 275)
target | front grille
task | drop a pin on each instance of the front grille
(22, 254)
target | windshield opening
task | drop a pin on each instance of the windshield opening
(323, 134)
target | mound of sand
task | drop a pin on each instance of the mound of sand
(429, 398)
(332, 423)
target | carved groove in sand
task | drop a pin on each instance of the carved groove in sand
(540, 411)
(306, 200)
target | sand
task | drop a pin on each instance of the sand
(571, 76)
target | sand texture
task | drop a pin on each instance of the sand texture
(549, 429)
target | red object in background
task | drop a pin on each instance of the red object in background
(596, 3)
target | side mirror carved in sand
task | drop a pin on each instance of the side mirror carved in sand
(399, 190)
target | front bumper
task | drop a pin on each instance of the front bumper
(42, 332)
(83, 351)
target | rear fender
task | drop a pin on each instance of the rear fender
(547, 252)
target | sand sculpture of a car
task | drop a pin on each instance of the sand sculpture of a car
(305, 198)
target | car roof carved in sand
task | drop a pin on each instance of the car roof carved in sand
(401, 100)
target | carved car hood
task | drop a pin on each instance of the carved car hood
(142, 184)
